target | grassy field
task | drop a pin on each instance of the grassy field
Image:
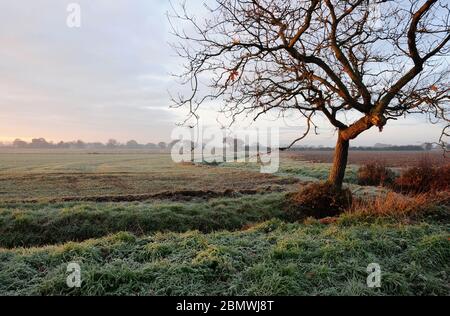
(43, 176)
(138, 224)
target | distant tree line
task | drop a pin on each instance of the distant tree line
(42, 143)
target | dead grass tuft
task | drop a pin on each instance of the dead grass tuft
(397, 205)
(318, 200)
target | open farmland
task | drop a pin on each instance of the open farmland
(119, 176)
(138, 224)
(394, 159)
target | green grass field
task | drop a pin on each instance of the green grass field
(139, 224)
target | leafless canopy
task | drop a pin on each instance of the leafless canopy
(382, 59)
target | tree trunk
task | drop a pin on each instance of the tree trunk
(340, 162)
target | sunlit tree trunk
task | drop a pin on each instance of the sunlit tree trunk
(337, 173)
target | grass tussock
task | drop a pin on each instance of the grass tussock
(397, 206)
(318, 200)
(272, 258)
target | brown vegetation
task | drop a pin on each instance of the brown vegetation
(424, 178)
(318, 200)
(376, 174)
(397, 205)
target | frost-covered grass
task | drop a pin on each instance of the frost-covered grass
(43, 224)
(306, 171)
(239, 245)
(272, 258)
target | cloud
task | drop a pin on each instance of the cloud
(110, 75)
(108, 78)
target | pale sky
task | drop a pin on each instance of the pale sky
(110, 77)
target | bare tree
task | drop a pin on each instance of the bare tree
(112, 143)
(319, 58)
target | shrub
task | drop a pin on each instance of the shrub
(424, 178)
(441, 181)
(375, 174)
(391, 204)
(401, 207)
(318, 200)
